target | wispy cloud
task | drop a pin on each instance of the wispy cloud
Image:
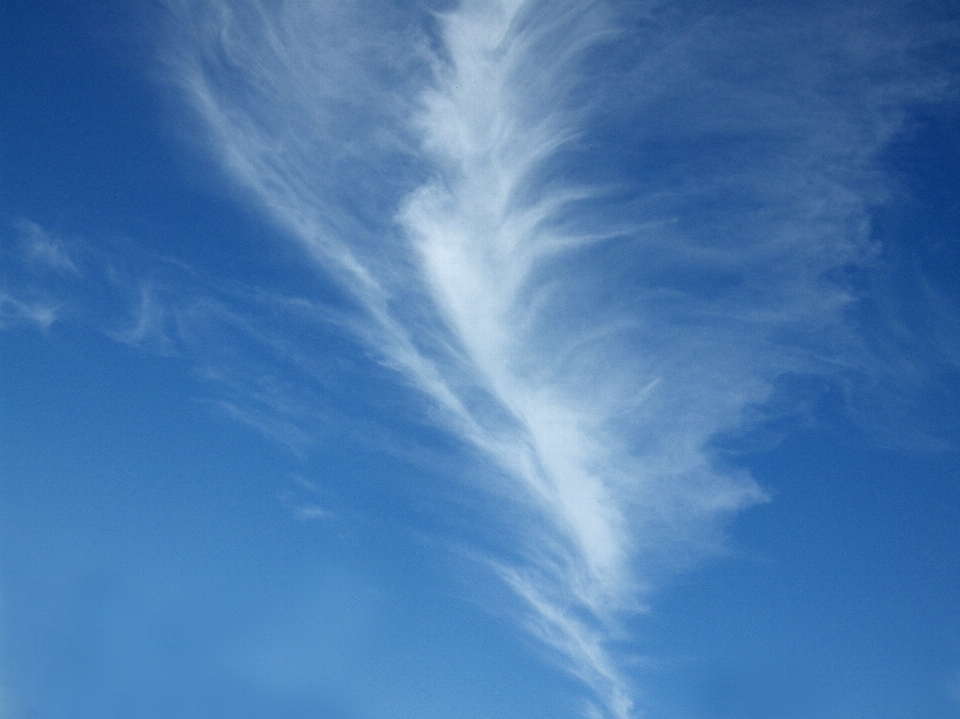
(29, 298)
(147, 327)
(593, 235)
(15, 310)
(269, 423)
(303, 501)
(43, 249)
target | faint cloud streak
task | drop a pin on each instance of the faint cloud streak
(13, 311)
(43, 249)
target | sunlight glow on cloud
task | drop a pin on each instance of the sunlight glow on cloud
(589, 338)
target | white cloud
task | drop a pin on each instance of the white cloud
(147, 329)
(311, 512)
(37, 311)
(268, 423)
(43, 249)
(24, 299)
(595, 236)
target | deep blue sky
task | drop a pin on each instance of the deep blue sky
(226, 489)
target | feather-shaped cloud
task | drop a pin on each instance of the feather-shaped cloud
(593, 235)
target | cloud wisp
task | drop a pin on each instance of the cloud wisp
(44, 255)
(593, 236)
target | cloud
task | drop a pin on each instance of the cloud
(595, 236)
(147, 329)
(15, 311)
(311, 512)
(246, 345)
(26, 297)
(283, 431)
(303, 502)
(43, 249)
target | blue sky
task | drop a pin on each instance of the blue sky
(367, 360)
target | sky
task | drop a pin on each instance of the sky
(456, 360)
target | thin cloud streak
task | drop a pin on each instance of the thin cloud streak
(43, 249)
(14, 310)
(589, 334)
(26, 299)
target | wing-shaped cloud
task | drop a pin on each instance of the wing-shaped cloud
(594, 235)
